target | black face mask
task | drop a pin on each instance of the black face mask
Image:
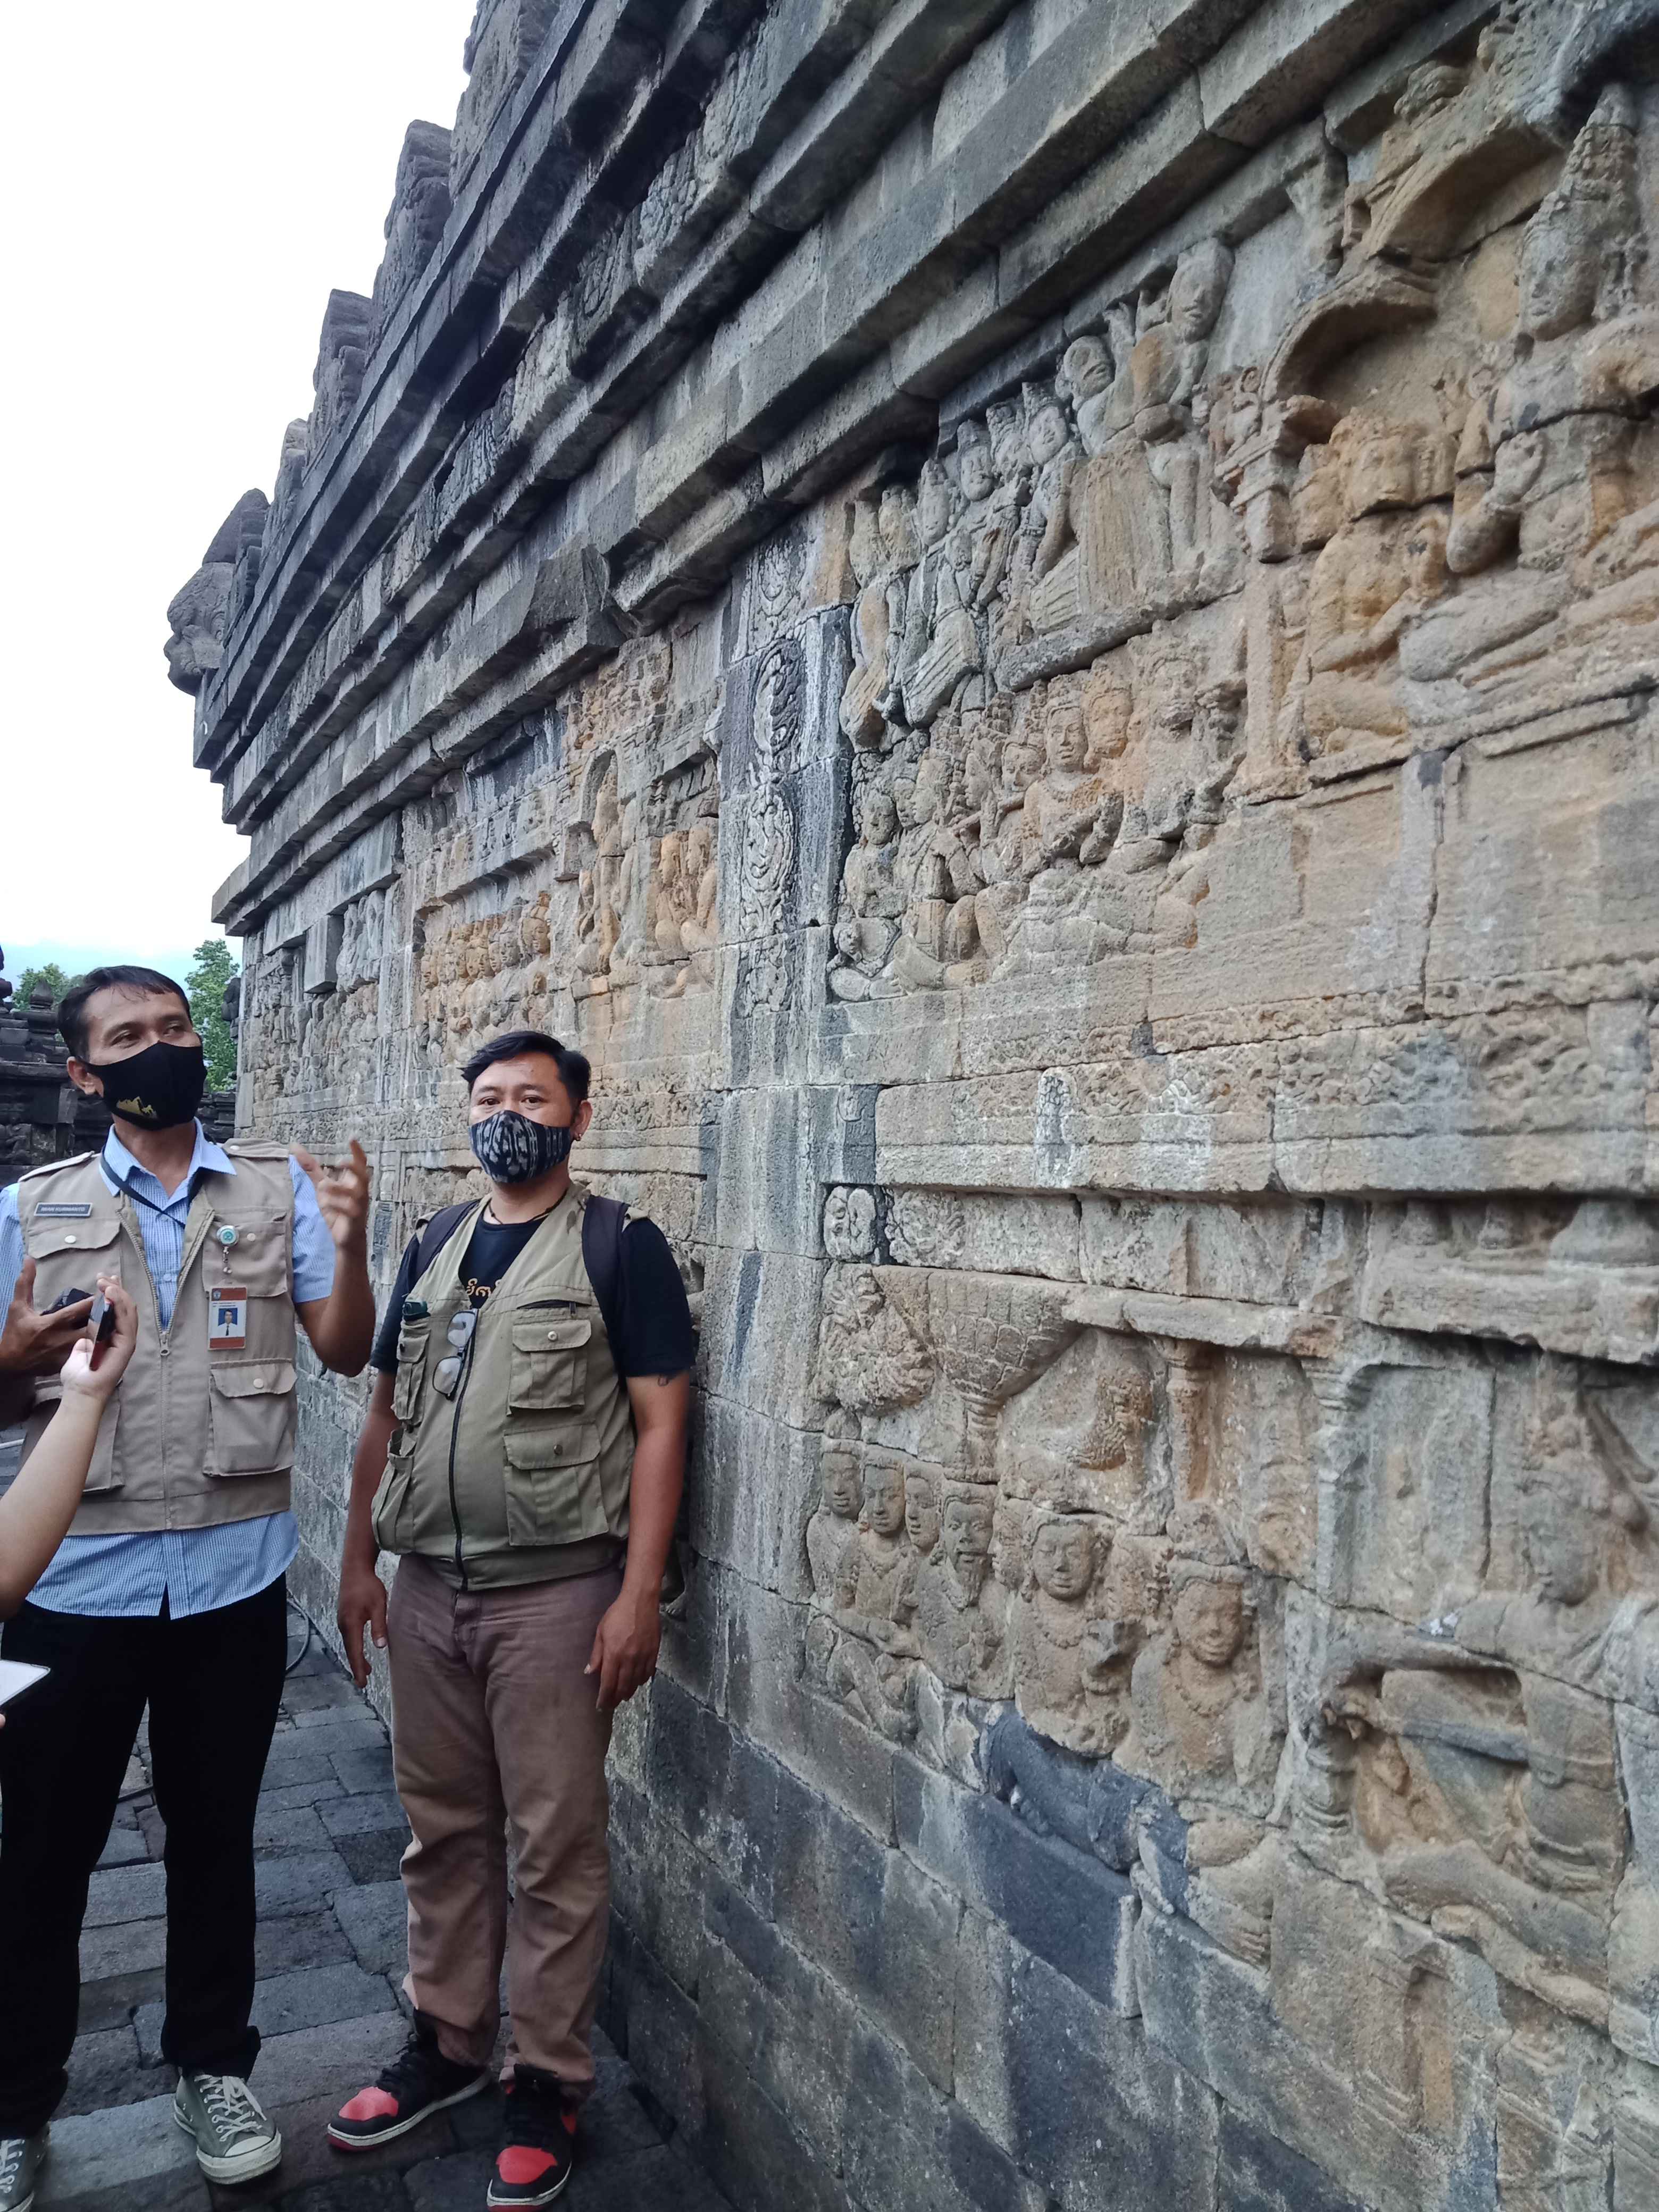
(512, 1148)
(158, 1088)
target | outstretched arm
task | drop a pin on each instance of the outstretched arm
(36, 1511)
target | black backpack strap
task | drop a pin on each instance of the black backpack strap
(436, 1233)
(603, 1222)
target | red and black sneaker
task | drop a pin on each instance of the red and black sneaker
(537, 2140)
(419, 2081)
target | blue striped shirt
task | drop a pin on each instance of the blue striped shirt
(195, 1570)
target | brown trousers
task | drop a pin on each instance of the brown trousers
(494, 1721)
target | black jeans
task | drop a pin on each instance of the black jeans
(213, 1684)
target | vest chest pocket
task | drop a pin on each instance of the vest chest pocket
(406, 1391)
(553, 1493)
(550, 1362)
(256, 1256)
(253, 1416)
(389, 1515)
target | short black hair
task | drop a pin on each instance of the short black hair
(147, 983)
(574, 1070)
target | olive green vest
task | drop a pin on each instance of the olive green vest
(513, 1464)
(193, 1435)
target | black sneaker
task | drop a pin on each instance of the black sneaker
(534, 2161)
(419, 2081)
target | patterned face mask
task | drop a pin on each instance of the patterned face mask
(512, 1148)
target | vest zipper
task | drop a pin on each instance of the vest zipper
(454, 1433)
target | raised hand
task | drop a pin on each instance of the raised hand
(342, 1195)
(37, 1344)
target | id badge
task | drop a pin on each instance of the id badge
(227, 1317)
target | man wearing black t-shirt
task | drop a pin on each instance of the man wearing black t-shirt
(523, 1456)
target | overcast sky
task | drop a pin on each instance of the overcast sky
(186, 182)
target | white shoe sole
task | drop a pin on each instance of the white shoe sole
(245, 2166)
(525, 2203)
(402, 2127)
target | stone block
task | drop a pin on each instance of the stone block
(124, 1894)
(359, 1771)
(1061, 1904)
(751, 2150)
(106, 2068)
(909, 2150)
(1258, 2173)
(373, 1854)
(362, 1815)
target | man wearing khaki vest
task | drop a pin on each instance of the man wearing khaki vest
(169, 1589)
(524, 1454)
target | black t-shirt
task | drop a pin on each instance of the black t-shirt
(654, 1322)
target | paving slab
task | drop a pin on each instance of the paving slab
(125, 1893)
(289, 1828)
(116, 2148)
(354, 1816)
(319, 2062)
(376, 1918)
(105, 2068)
(113, 2000)
(376, 1856)
(363, 1770)
(125, 1847)
(278, 1790)
(299, 1939)
(300, 1883)
(311, 1996)
(125, 1947)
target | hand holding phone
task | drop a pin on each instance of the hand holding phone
(100, 1353)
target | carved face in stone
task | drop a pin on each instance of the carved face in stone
(1007, 431)
(974, 461)
(1087, 368)
(1209, 1619)
(699, 846)
(1563, 1541)
(1106, 710)
(933, 503)
(1197, 289)
(843, 1486)
(920, 1512)
(904, 803)
(1020, 763)
(1379, 465)
(1063, 1560)
(884, 1500)
(933, 780)
(880, 818)
(1068, 739)
(898, 526)
(1050, 431)
(849, 1221)
(965, 1526)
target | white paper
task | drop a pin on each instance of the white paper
(16, 1674)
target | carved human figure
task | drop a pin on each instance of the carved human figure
(1200, 1722)
(833, 1526)
(1045, 579)
(1063, 806)
(1057, 1665)
(850, 1222)
(861, 718)
(871, 903)
(1001, 845)
(958, 1612)
(901, 550)
(1544, 463)
(669, 900)
(940, 650)
(1384, 570)
(1167, 367)
(872, 1671)
(1101, 391)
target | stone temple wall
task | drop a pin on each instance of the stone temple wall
(1035, 625)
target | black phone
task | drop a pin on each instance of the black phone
(100, 1323)
(70, 1298)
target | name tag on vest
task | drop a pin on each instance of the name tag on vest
(62, 1213)
(227, 1317)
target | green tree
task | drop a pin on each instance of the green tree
(51, 975)
(210, 970)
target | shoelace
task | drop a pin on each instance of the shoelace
(11, 2158)
(231, 2105)
(408, 2070)
(535, 2117)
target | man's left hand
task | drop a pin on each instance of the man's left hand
(624, 1652)
(342, 1196)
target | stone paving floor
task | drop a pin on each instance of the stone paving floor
(331, 1958)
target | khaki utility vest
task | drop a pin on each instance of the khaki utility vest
(194, 1436)
(521, 1472)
